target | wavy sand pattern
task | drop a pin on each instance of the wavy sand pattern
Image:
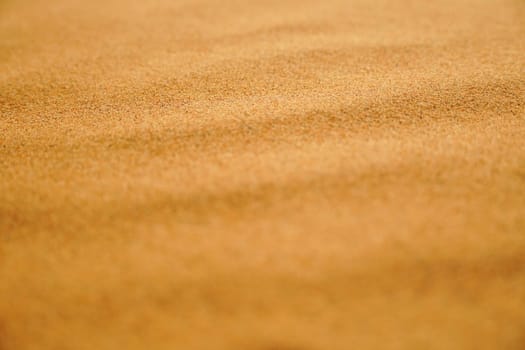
(268, 175)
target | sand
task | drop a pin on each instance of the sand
(267, 175)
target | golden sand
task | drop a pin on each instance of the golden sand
(267, 175)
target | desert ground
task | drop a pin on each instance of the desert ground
(266, 175)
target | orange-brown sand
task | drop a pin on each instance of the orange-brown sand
(267, 175)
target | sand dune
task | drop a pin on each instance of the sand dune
(270, 175)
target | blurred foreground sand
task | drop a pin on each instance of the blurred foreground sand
(268, 175)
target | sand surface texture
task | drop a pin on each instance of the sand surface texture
(267, 175)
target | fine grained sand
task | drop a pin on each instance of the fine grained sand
(268, 175)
